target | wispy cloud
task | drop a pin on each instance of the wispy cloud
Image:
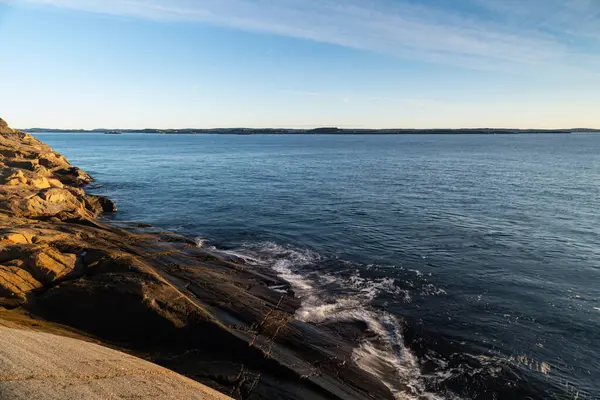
(485, 34)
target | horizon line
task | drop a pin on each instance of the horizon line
(305, 128)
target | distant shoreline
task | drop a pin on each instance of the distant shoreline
(323, 131)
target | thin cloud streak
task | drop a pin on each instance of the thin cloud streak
(508, 35)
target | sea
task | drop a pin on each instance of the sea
(474, 260)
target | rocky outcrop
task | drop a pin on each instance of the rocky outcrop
(35, 181)
(156, 293)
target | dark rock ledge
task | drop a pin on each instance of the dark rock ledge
(154, 295)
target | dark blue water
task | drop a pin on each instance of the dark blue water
(473, 260)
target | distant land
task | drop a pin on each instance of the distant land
(320, 131)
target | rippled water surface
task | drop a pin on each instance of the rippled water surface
(473, 260)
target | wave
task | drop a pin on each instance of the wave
(414, 364)
(328, 298)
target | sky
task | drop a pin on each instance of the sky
(300, 63)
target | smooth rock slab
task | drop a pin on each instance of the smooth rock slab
(37, 365)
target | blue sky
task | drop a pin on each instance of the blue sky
(300, 63)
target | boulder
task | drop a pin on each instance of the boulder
(42, 262)
(73, 176)
(52, 160)
(15, 281)
(17, 236)
(102, 204)
(57, 195)
(47, 265)
(12, 177)
(4, 127)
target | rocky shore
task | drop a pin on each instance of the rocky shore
(154, 294)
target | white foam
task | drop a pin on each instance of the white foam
(326, 279)
(316, 310)
(282, 260)
(386, 357)
(382, 353)
(597, 308)
(382, 363)
(298, 282)
(278, 288)
(417, 272)
(242, 256)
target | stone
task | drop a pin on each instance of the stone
(47, 264)
(52, 160)
(12, 177)
(57, 195)
(39, 182)
(55, 183)
(73, 176)
(4, 127)
(43, 262)
(17, 236)
(16, 281)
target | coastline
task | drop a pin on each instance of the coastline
(156, 294)
(323, 131)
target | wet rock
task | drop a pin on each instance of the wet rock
(108, 206)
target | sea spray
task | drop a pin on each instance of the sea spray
(381, 352)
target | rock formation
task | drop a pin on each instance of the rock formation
(37, 184)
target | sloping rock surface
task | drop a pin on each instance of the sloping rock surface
(40, 366)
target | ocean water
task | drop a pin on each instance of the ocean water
(473, 260)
